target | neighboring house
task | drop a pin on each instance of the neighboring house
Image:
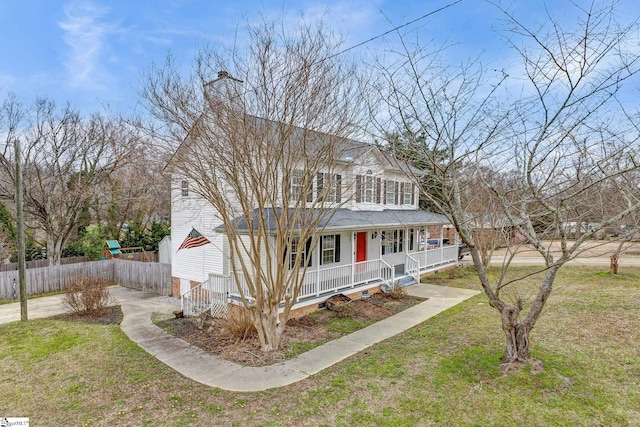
(377, 238)
(164, 250)
(491, 229)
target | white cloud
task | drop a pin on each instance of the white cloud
(6, 81)
(85, 34)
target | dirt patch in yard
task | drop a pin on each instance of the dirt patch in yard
(300, 335)
(110, 316)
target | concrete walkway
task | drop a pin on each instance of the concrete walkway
(207, 369)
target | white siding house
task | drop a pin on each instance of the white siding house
(376, 239)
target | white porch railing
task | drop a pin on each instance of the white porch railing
(412, 267)
(388, 273)
(436, 256)
(366, 271)
(214, 293)
(194, 301)
(208, 295)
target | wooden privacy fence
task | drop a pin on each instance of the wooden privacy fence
(144, 276)
(37, 263)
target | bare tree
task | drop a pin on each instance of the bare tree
(560, 142)
(620, 195)
(67, 159)
(139, 191)
(264, 148)
(490, 227)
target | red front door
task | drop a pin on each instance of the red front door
(361, 246)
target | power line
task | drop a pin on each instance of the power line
(433, 12)
(426, 15)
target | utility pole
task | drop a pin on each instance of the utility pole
(22, 276)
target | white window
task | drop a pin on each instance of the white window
(184, 188)
(329, 249)
(298, 250)
(296, 184)
(369, 188)
(407, 193)
(392, 241)
(390, 193)
(329, 187)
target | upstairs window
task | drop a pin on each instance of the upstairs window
(367, 189)
(296, 184)
(184, 188)
(329, 187)
(408, 194)
(390, 193)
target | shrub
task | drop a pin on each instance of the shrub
(238, 325)
(87, 295)
(398, 292)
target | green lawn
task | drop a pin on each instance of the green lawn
(443, 372)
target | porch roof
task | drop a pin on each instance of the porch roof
(346, 219)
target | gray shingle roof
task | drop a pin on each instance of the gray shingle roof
(346, 219)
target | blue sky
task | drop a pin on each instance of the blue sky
(93, 53)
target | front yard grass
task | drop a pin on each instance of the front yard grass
(442, 372)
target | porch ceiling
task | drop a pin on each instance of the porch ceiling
(346, 219)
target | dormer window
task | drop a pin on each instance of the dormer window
(184, 188)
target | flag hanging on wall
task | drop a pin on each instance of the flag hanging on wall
(193, 240)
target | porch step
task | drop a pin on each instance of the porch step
(400, 282)
(406, 281)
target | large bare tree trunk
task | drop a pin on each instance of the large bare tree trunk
(613, 267)
(516, 337)
(266, 323)
(542, 157)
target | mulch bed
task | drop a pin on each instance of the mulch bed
(211, 335)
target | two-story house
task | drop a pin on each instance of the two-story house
(376, 238)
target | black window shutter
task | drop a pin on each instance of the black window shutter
(411, 237)
(400, 240)
(401, 193)
(320, 246)
(378, 185)
(358, 188)
(338, 188)
(308, 253)
(320, 185)
(284, 256)
(384, 193)
(337, 248)
(383, 242)
(310, 192)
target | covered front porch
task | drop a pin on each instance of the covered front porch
(349, 262)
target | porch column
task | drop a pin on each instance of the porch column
(353, 257)
(317, 261)
(441, 244)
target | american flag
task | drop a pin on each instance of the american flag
(193, 240)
